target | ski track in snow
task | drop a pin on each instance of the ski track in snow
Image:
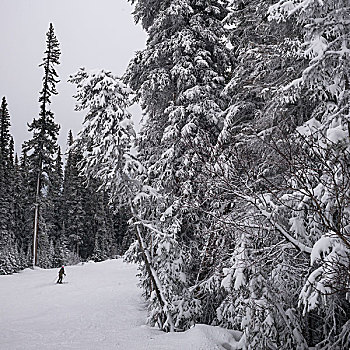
(99, 308)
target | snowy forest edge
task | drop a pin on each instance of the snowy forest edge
(234, 197)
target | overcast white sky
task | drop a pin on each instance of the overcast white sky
(93, 34)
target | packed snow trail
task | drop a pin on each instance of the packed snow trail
(100, 307)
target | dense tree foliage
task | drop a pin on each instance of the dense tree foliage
(237, 187)
(249, 160)
(9, 253)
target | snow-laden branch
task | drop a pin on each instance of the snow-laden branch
(268, 215)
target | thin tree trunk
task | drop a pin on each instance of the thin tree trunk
(151, 273)
(36, 220)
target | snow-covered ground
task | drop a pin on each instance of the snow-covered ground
(100, 307)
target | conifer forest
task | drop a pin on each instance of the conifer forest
(234, 196)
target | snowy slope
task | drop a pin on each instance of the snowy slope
(99, 308)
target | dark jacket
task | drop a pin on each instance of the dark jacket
(61, 272)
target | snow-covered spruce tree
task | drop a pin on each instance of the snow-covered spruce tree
(107, 124)
(106, 141)
(41, 149)
(265, 55)
(105, 98)
(5, 165)
(9, 256)
(179, 78)
(4, 132)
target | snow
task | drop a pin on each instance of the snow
(227, 280)
(100, 307)
(310, 127)
(318, 46)
(337, 134)
(321, 248)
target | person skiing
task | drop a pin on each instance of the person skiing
(60, 275)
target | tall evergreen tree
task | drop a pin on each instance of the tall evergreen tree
(9, 255)
(106, 136)
(106, 141)
(107, 124)
(179, 78)
(42, 148)
(4, 133)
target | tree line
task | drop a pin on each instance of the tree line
(47, 207)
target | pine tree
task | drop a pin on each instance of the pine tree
(107, 133)
(106, 98)
(4, 132)
(106, 142)
(179, 79)
(42, 148)
(9, 255)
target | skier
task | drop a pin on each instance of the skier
(60, 274)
